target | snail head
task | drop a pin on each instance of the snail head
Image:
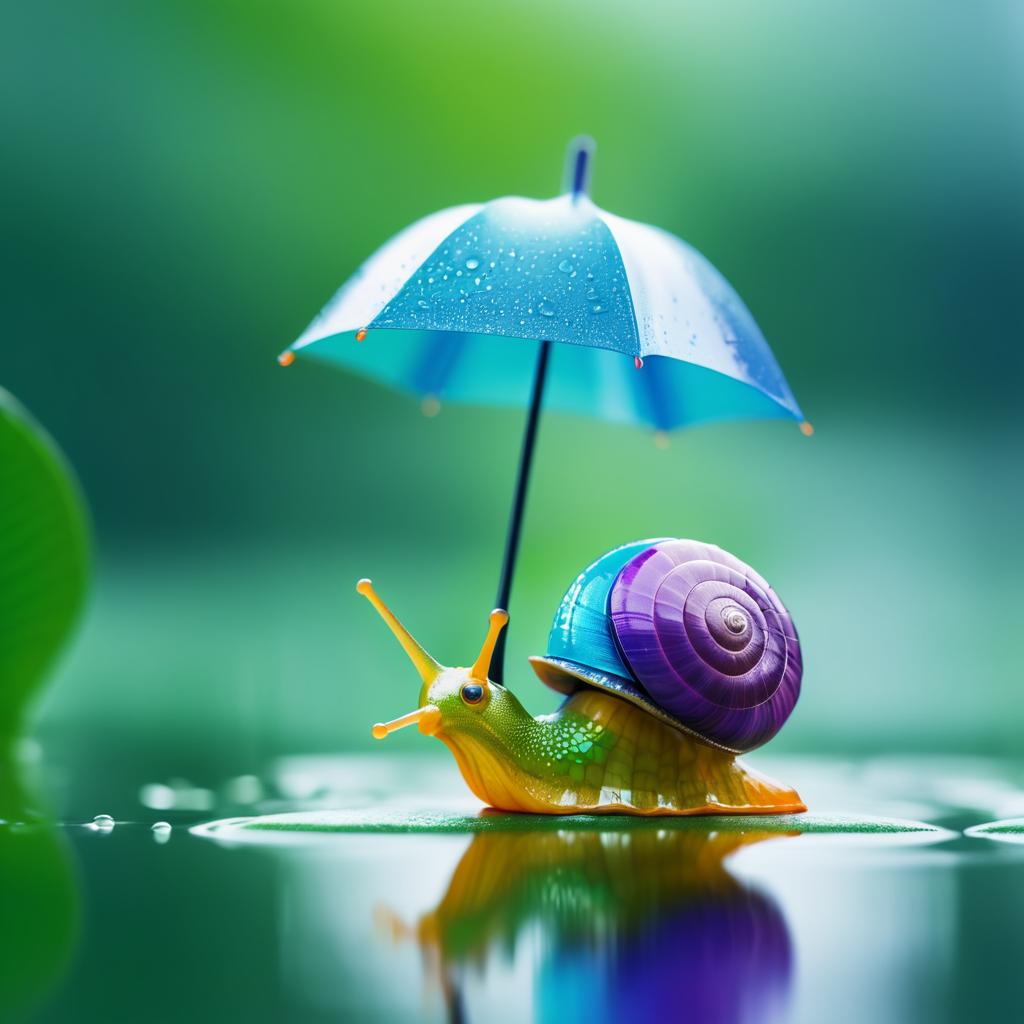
(452, 700)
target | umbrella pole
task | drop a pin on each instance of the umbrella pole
(515, 519)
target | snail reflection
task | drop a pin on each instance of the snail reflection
(640, 924)
(673, 657)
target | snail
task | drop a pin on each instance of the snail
(673, 656)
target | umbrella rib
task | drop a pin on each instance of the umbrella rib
(436, 364)
(652, 388)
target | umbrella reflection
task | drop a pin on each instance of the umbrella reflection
(634, 925)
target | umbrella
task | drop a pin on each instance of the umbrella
(554, 302)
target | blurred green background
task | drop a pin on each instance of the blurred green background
(186, 183)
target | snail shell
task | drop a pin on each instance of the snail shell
(685, 630)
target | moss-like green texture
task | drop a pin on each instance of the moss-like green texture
(385, 821)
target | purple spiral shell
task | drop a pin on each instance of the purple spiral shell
(709, 640)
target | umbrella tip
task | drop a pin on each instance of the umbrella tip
(361, 334)
(638, 362)
(806, 429)
(286, 358)
(581, 149)
(430, 406)
(661, 439)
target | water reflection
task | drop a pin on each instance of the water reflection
(39, 908)
(638, 925)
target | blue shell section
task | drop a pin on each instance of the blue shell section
(582, 630)
(523, 268)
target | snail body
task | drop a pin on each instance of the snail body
(674, 657)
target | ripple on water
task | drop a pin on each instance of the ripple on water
(301, 826)
(1009, 830)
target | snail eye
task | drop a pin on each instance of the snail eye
(472, 693)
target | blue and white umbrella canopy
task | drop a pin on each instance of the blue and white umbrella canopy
(554, 303)
(455, 307)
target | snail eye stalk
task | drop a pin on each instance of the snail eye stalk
(498, 621)
(428, 669)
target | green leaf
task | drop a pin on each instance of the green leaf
(44, 558)
(387, 820)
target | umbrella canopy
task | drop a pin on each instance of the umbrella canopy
(455, 307)
(553, 301)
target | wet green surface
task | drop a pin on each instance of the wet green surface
(1011, 831)
(336, 889)
(400, 821)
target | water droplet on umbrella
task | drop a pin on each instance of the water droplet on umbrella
(103, 823)
(565, 266)
(423, 304)
(476, 280)
(598, 308)
(545, 308)
(592, 295)
(590, 276)
(472, 263)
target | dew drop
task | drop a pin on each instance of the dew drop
(103, 823)
(545, 308)
(161, 831)
(565, 266)
(472, 263)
